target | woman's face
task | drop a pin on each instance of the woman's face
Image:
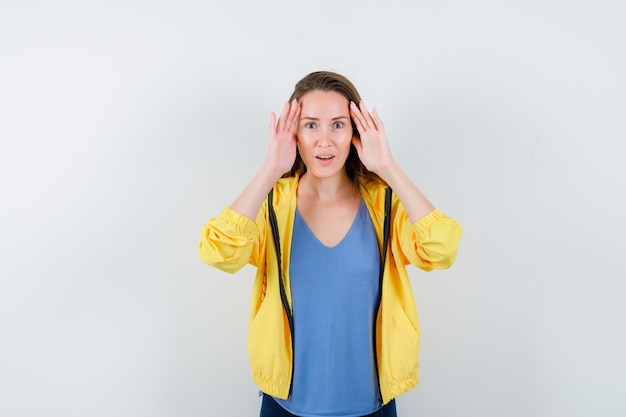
(324, 132)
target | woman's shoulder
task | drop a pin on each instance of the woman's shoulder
(374, 191)
(285, 190)
(373, 194)
(286, 185)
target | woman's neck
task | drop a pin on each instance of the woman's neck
(329, 189)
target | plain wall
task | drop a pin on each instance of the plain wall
(125, 125)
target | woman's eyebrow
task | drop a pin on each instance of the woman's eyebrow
(317, 119)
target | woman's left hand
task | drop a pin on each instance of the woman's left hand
(372, 147)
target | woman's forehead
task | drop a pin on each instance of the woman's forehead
(317, 103)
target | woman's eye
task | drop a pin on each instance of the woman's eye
(338, 125)
(310, 125)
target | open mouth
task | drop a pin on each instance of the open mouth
(325, 157)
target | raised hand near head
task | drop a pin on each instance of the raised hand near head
(372, 147)
(282, 149)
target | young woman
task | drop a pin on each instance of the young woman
(333, 325)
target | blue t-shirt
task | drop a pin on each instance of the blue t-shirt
(334, 292)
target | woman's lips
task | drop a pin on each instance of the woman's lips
(325, 159)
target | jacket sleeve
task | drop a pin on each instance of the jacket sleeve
(229, 241)
(429, 243)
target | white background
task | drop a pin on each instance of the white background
(124, 125)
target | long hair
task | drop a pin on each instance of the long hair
(330, 81)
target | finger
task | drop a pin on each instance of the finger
(356, 111)
(368, 117)
(361, 113)
(294, 113)
(296, 117)
(377, 119)
(357, 117)
(289, 116)
(272, 122)
(283, 115)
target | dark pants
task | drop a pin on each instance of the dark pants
(270, 408)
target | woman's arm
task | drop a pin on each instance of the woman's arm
(373, 150)
(429, 239)
(415, 203)
(233, 239)
(280, 158)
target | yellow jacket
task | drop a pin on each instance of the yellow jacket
(231, 241)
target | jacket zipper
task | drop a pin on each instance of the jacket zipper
(283, 292)
(386, 229)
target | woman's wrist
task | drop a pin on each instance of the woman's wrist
(390, 173)
(271, 173)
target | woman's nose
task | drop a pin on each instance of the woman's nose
(324, 138)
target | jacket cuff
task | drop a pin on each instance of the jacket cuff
(423, 225)
(239, 221)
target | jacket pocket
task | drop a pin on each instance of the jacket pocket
(402, 339)
(269, 348)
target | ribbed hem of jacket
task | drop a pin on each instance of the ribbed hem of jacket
(397, 388)
(279, 391)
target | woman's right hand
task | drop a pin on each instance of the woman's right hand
(280, 158)
(282, 149)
